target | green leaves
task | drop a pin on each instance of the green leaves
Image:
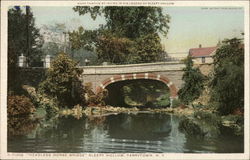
(228, 79)
(114, 49)
(18, 38)
(131, 22)
(193, 82)
(19, 35)
(148, 48)
(130, 35)
(60, 79)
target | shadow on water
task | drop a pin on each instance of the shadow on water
(139, 127)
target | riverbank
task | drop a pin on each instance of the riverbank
(196, 117)
(79, 111)
(205, 120)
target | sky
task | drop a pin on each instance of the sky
(189, 26)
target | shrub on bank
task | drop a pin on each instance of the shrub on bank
(19, 105)
(227, 81)
(193, 83)
(209, 117)
(176, 103)
(62, 82)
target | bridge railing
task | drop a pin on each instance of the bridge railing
(168, 59)
(133, 68)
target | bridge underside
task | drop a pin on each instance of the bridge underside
(134, 76)
(173, 79)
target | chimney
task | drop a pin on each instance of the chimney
(199, 45)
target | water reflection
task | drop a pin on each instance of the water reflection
(142, 133)
(140, 126)
(21, 125)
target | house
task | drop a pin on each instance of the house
(202, 55)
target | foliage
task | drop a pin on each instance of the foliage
(42, 101)
(130, 22)
(113, 49)
(176, 103)
(62, 80)
(193, 82)
(228, 78)
(148, 48)
(130, 35)
(17, 44)
(83, 38)
(145, 92)
(13, 73)
(19, 105)
(93, 99)
(51, 48)
(163, 100)
(23, 36)
(209, 117)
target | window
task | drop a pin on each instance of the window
(203, 59)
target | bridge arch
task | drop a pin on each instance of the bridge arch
(152, 76)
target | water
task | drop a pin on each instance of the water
(122, 133)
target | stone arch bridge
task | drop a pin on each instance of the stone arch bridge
(170, 73)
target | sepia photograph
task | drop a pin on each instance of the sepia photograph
(124, 80)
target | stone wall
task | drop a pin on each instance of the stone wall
(133, 68)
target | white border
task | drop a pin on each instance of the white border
(3, 86)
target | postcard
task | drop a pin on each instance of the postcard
(125, 80)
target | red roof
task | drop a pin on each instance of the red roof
(200, 52)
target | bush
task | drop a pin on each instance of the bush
(193, 82)
(176, 103)
(163, 100)
(228, 79)
(61, 82)
(211, 118)
(19, 105)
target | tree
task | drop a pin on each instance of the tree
(60, 82)
(193, 82)
(114, 49)
(23, 36)
(18, 39)
(148, 48)
(228, 78)
(82, 38)
(130, 22)
(126, 29)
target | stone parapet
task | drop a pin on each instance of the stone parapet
(133, 68)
